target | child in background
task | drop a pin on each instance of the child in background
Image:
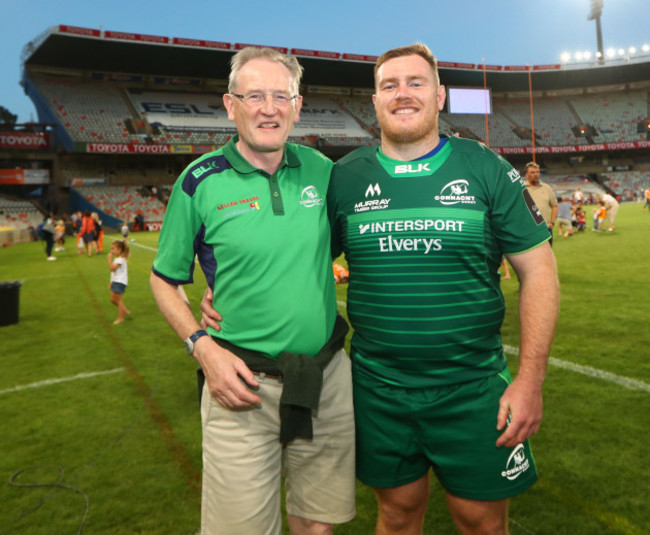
(579, 218)
(119, 277)
(59, 235)
(125, 229)
(600, 213)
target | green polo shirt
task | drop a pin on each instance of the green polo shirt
(263, 244)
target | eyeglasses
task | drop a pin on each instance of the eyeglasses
(258, 97)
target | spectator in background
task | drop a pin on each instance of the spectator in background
(565, 227)
(543, 196)
(99, 233)
(611, 204)
(59, 235)
(47, 233)
(341, 275)
(125, 229)
(88, 233)
(578, 197)
(600, 213)
(77, 218)
(647, 198)
(505, 270)
(579, 218)
(117, 263)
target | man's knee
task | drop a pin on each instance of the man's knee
(479, 517)
(402, 509)
(305, 526)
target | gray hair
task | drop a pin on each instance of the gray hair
(249, 53)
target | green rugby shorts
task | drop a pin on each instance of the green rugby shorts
(402, 432)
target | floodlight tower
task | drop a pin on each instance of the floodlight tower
(594, 14)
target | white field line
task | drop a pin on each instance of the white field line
(135, 243)
(49, 382)
(625, 382)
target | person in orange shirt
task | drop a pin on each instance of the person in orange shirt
(88, 232)
(341, 274)
(647, 199)
(600, 213)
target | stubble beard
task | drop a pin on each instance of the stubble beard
(403, 136)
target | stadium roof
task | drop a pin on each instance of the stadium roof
(83, 49)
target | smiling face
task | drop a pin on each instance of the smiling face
(407, 100)
(263, 128)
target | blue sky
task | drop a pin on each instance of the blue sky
(504, 32)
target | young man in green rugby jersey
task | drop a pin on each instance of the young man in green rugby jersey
(424, 221)
(277, 397)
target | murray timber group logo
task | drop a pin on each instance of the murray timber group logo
(456, 192)
(517, 463)
(373, 190)
(310, 197)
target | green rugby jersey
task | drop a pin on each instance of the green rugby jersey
(424, 240)
(263, 244)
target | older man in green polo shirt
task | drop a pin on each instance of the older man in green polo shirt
(277, 397)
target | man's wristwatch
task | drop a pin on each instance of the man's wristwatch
(189, 342)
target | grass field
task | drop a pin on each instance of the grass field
(100, 424)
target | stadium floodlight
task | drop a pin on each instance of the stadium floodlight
(599, 55)
(578, 56)
(596, 9)
(594, 14)
(632, 50)
(621, 52)
(565, 57)
(587, 55)
(646, 48)
(611, 52)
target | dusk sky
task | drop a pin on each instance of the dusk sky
(501, 32)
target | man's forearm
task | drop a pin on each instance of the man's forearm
(174, 306)
(538, 311)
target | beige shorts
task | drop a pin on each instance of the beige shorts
(244, 461)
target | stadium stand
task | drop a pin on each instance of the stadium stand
(124, 202)
(19, 214)
(127, 115)
(628, 182)
(90, 112)
(614, 115)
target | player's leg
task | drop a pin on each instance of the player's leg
(390, 456)
(402, 509)
(479, 477)
(474, 517)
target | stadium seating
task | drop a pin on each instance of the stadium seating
(101, 111)
(90, 112)
(19, 214)
(124, 202)
(626, 183)
(614, 115)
